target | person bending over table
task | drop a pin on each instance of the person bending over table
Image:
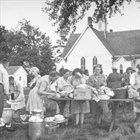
(41, 88)
(79, 108)
(97, 80)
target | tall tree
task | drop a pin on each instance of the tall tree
(5, 49)
(28, 45)
(66, 13)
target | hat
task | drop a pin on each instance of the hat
(129, 68)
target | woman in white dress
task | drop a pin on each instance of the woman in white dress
(134, 92)
(17, 96)
(41, 88)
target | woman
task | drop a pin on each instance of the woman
(135, 92)
(35, 73)
(127, 76)
(79, 108)
(17, 95)
(41, 88)
(60, 83)
(97, 80)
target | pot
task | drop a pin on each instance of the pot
(7, 115)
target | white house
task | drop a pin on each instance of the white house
(19, 73)
(110, 48)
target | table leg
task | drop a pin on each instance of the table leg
(114, 109)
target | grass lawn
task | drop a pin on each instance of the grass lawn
(124, 129)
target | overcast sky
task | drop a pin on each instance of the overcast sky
(12, 11)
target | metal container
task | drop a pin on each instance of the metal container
(36, 130)
(7, 115)
(120, 94)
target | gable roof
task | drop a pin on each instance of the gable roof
(125, 42)
(72, 39)
(12, 69)
(105, 41)
(117, 43)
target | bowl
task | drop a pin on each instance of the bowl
(49, 119)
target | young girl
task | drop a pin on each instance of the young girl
(79, 108)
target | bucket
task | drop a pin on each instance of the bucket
(7, 115)
(36, 130)
(120, 93)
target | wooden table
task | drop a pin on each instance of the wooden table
(114, 105)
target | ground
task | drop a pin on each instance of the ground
(123, 130)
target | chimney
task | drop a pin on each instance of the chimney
(90, 21)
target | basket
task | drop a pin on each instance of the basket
(69, 88)
(120, 93)
(82, 94)
(7, 115)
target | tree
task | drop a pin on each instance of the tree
(28, 45)
(33, 47)
(5, 49)
(66, 13)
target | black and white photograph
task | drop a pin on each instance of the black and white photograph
(69, 69)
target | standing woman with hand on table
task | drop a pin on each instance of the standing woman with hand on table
(60, 83)
(134, 91)
(79, 108)
(97, 80)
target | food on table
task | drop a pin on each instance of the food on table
(49, 119)
(59, 118)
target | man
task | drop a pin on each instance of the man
(4, 85)
(114, 79)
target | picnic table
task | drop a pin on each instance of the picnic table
(113, 104)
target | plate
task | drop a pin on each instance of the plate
(13, 103)
(60, 121)
(52, 125)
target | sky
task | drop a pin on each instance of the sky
(12, 11)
